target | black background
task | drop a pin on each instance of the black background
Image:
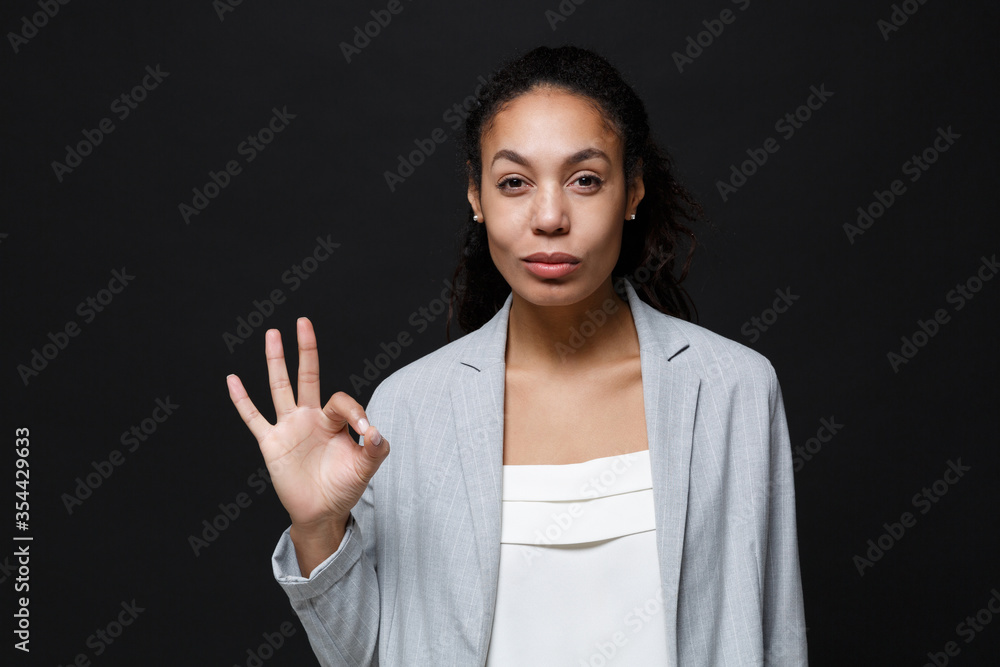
(324, 176)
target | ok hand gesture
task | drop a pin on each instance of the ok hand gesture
(319, 472)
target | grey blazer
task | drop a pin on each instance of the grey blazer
(414, 581)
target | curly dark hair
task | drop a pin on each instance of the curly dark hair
(650, 243)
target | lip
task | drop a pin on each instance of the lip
(552, 258)
(551, 264)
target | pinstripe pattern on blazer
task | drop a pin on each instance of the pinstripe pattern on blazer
(414, 581)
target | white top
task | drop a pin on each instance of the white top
(579, 574)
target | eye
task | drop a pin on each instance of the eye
(513, 181)
(592, 182)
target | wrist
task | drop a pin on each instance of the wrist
(318, 530)
(315, 541)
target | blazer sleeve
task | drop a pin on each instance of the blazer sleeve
(338, 603)
(784, 613)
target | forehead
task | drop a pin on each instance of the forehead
(549, 121)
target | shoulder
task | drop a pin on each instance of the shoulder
(424, 381)
(711, 349)
(721, 363)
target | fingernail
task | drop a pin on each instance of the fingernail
(377, 438)
(362, 425)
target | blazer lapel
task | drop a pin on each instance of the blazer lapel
(670, 396)
(477, 400)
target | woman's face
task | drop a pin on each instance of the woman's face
(553, 182)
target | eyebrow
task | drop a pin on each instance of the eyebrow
(579, 156)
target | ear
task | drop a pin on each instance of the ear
(636, 190)
(473, 196)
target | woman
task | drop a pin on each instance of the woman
(584, 479)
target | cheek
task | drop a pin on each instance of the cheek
(610, 248)
(615, 231)
(500, 247)
(612, 239)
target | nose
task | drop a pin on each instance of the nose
(550, 215)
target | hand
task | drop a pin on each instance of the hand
(319, 472)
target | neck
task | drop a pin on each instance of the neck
(596, 331)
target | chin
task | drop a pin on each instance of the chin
(553, 293)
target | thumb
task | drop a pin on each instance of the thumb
(374, 452)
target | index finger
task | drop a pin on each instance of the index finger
(342, 409)
(258, 425)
